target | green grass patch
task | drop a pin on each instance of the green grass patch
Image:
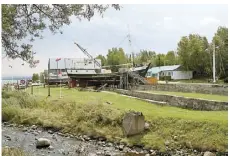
(193, 95)
(87, 112)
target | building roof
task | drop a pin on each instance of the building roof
(155, 70)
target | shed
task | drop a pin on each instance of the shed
(174, 71)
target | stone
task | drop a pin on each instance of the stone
(86, 138)
(24, 129)
(35, 133)
(121, 147)
(175, 138)
(209, 154)
(107, 102)
(98, 153)
(167, 142)
(147, 154)
(126, 149)
(50, 132)
(147, 126)
(51, 148)
(43, 142)
(8, 137)
(133, 123)
(33, 127)
(101, 138)
(110, 144)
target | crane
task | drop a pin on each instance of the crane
(90, 56)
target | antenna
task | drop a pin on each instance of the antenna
(130, 44)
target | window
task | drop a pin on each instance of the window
(171, 73)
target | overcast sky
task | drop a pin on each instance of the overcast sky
(152, 27)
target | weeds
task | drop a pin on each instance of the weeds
(6, 151)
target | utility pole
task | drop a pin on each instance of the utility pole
(214, 64)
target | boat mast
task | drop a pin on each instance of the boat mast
(130, 44)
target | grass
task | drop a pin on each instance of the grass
(86, 112)
(12, 152)
(194, 95)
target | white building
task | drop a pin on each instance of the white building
(174, 71)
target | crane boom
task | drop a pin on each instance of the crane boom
(90, 56)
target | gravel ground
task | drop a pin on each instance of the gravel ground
(25, 138)
(63, 144)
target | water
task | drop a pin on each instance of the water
(8, 81)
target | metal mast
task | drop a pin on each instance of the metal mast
(130, 44)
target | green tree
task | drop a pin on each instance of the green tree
(35, 77)
(170, 58)
(25, 21)
(159, 60)
(103, 59)
(220, 40)
(146, 56)
(193, 53)
(116, 56)
(41, 77)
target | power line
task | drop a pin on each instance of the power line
(122, 41)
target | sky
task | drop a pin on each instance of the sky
(152, 27)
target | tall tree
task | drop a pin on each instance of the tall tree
(25, 21)
(220, 40)
(103, 59)
(41, 77)
(193, 53)
(170, 58)
(160, 59)
(116, 56)
(146, 55)
(35, 77)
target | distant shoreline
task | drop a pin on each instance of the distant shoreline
(16, 78)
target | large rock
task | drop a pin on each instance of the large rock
(133, 123)
(147, 126)
(209, 154)
(43, 142)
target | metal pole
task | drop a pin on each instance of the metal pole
(32, 89)
(48, 81)
(214, 64)
(60, 88)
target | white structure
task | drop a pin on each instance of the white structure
(175, 72)
(74, 66)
